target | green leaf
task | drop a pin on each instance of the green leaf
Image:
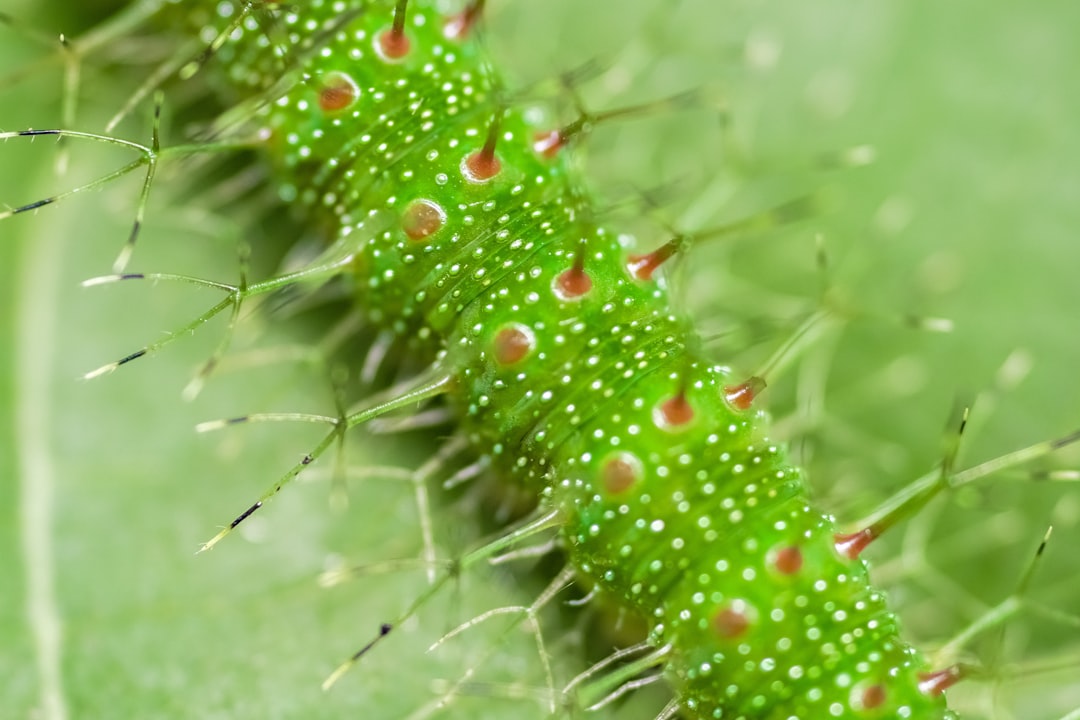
(968, 213)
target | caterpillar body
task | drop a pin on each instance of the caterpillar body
(669, 495)
(557, 347)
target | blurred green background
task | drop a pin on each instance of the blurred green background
(968, 213)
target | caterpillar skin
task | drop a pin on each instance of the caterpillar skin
(472, 236)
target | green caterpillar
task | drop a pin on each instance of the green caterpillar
(671, 421)
(566, 365)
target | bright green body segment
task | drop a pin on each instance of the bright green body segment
(674, 502)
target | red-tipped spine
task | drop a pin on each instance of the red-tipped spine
(742, 395)
(642, 267)
(935, 683)
(851, 545)
(460, 26)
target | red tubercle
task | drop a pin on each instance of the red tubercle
(730, 624)
(575, 283)
(512, 344)
(458, 27)
(620, 473)
(675, 412)
(733, 620)
(742, 396)
(934, 684)
(337, 91)
(642, 267)
(422, 218)
(872, 697)
(851, 545)
(393, 44)
(548, 143)
(482, 165)
(787, 560)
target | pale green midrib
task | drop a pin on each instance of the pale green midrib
(36, 313)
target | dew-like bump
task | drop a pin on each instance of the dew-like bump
(337, 91)
(621, 472)
(513, 343)
(573, 284)
(422, 218)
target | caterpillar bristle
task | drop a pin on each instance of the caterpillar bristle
(609, 679)
(529, 527)
(549, 143)
(187, 70)
(425, 386)
(148, 158)
(522, 615)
